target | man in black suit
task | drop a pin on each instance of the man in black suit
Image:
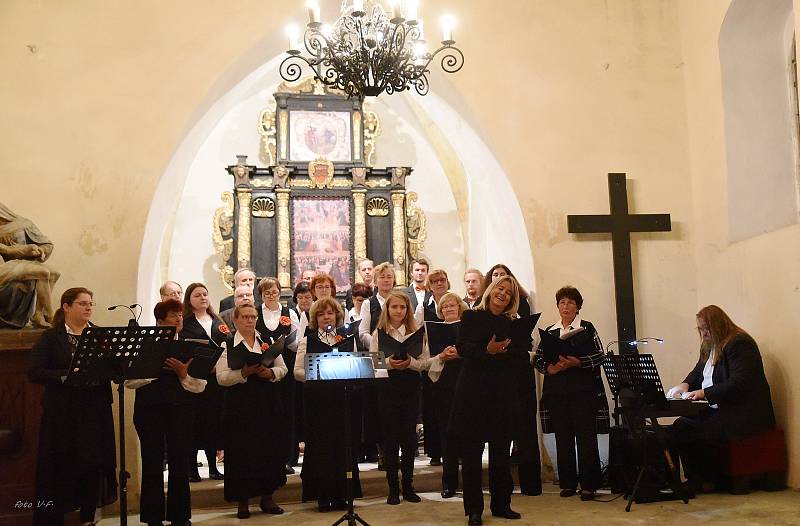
(417, 292)
(243, 276)
(171, 290)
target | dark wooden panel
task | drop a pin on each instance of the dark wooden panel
(264, 242)
(20, 413)
(379, 231)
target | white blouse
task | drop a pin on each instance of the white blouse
(399, 334)
(228, 377)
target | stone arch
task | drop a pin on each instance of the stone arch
(485, 204)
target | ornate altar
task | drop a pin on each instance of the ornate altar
(319, 204)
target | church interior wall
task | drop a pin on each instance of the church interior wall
(98, 97)
(756, 279)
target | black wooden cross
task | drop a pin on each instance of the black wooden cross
(620, 224)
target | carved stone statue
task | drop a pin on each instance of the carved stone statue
(26, 283)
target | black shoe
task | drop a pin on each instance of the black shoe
(272, 510)
(339, 504)
(567, 492)
(289, 470)
(436, 462)
(157, 523)
(410, 495)
(507, 514)
(587, 495)
(448, 493)
(194, 477)
(187, 522)
(531, 492)
(216, 475)
(394, 498)
(474, 520)
(243, 513)
(324, 506)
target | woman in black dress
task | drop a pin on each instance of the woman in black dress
(255, 422)
(274, 321)
(202, 323)
(487, 405)
(163, 414)
(573, 398)
(325, 464)
(443, 370)
(76, 461)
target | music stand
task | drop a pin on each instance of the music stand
(109, 354)
(348, 370)
(635, 382)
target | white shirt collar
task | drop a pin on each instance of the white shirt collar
(401, 331)
(69, 330)
(238, 338)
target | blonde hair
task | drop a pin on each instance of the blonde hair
(409, 321)
(722, 330)
(322, 304)
(513, 305)
(436, 272)
(448, 297)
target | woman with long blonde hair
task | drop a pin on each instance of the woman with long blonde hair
(730, 376)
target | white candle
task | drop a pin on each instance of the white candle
(448, 22)
(313, 11)
(395, 4)
(411, 7)
(294, 36)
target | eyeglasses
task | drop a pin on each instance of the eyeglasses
(273, 292)
(438, 281)
(84, 303)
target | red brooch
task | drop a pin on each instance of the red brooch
(285, 320)
(264, 347)
(339, 338)
(224, 329)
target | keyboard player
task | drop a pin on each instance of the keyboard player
(729, 375)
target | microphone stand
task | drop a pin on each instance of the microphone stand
(123, 472)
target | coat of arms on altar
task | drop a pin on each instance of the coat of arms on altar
(320, 171)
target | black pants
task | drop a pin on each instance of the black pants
(399, 402)
(430, 420)
(154, 424)
(574, 419)
(451, 451)
(698, 440)
(47, 512)
(500, 482)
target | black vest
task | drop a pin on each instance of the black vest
(374, 313)
(280, 330)
(429, 310)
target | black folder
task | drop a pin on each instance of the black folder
(517, 329)
(315, 345)
(238, 357)
(574, 344)
(441, 335)
(204, 355)
(411, 346)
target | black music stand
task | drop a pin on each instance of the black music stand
(348, 370)
(636, 385)
(109, 354)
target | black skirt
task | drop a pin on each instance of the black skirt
(255, 439)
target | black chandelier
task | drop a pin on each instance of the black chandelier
(368, 51)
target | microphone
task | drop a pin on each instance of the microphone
(134, 319)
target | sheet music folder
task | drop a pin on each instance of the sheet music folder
(441, 335)
(516, 329)
(238, 357)
(204, 355)
(570, 344)
(411, 346)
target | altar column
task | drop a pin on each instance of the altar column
(399, 236)
(243, 196)
(284, 246)
(360, 223)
